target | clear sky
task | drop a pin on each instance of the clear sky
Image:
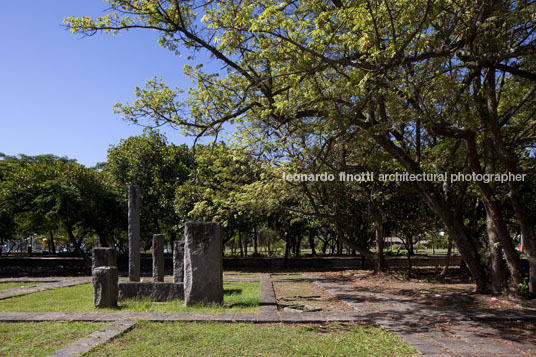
(57, 90)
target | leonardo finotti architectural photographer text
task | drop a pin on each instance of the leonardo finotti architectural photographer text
(402, 177)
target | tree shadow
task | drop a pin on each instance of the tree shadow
(232, 291)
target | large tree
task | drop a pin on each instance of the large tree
(159, 169)
(401, 72)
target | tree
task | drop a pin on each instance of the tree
(159, 169)
(44, 194)
(325, 68)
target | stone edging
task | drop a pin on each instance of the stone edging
(94, 339)
(5, 294)
(252, 317)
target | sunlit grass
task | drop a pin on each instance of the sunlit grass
(217, 339)
(18, 284)
(238, 297)
(41, 338)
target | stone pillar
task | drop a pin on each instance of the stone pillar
(178, 261)
(158, 258)
(104, 256)
(203, 263)
(134, 233)
(105, 288)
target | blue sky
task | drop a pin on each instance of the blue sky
(57, 89)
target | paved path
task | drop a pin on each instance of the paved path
(431, 331)
(51, 284)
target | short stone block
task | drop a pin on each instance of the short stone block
(158, 258)
(158, 292)
(104, 256)
(105, 291)
(203, 263)
(178, 261)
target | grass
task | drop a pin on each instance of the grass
(242, 275)
(216, 339)
(18, 284)
(238, 297)
(41, 338)
(287, 276)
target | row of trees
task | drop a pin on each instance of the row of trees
(339, 85)
(58, 200)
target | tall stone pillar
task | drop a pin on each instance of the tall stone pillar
(134, 233)
(203, 263)
(158, 258)
(178, 261)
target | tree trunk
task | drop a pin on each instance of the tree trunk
(52, 243)
(255, 242)
(449, 254)
(498, 273)
(498, 230)
(76, 245)
(312, 243)
(466, 244)
(510, 161)
(240, 243)
(298, 243)
(379, 265)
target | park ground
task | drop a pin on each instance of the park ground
(283, 313)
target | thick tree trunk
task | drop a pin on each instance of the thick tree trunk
(498, 230)
(510, 161)
(498, 273)
(363, 251)
(466, 244)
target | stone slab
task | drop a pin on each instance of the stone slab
(158, 292)
(158, 258)
(178, 261)
(203, 264)
(85, 344)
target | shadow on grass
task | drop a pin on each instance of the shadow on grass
(232, 291)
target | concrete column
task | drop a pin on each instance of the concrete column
(134, 233)
(158, 258)
(178, 261)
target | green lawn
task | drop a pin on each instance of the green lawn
(41, 338)
(18, 284)
(217, 339)
(238, 296)
(244, 275)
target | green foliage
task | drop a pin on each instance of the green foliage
(523, 289)
(160, 169)
(46, 194)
